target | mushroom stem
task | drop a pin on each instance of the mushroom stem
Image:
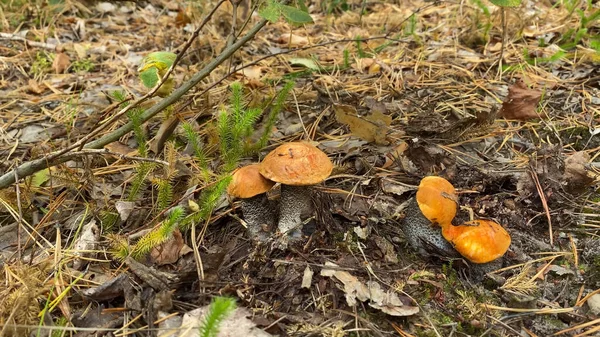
(295, 205)
(260, 215)
(424, 236)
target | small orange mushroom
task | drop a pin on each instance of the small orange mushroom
(437, 200)
(479, 241)
(247, 182)
(250, 186)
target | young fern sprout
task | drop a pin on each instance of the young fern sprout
(296, 165)
(250, 187)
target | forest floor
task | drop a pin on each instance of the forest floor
(392, 91)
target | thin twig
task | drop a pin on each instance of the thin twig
(33, 166)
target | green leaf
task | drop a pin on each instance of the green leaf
(162, 57)
(506, 3)
(295, 15)
(40, 177)
(149, 77)
(308, 63)
(271, 11)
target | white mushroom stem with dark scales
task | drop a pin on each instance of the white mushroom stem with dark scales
(295, 206)
(260, 216)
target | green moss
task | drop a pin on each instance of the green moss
(83, 66)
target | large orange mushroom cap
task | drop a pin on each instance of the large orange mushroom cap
(297, 164)
(479, 241)
(247, 182)
(437, 200)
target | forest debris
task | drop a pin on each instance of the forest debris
(236, 324)
(594, 304)
(307, 277)
(521, 102)
(386, 248)
(372, 128)
(124, 209)
(576, 176)
(388, 302)
(86, 244)
(61, 63)
(397, 188)
(110, 289)
(292, 40)
(34, 86)
(169, 251)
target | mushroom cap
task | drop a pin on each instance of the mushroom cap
(479, 241)
(437, 200)
(247, 182)
(296, 163)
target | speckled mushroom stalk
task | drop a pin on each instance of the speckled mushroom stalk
(259, 212)
(260, 216)
(296, 165)
(295, 206)
(423, 235)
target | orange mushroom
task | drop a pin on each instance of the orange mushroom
(479, 241)
(437, 200)
(250, 186)
(295, 165)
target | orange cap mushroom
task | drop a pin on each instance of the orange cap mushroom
(437, 200)
(479, 241)
(297, 164)
(247, 182)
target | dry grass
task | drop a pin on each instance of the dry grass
(439, 69)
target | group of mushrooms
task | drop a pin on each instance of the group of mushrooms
(296, 166)
(427, 225)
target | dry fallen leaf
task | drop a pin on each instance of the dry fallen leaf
(61, 63)
(124, 208)
(86, 244)
(35, 87)
(521, 102)
(372, 128)
(576, 177)
(388, 302)
(168, 252)
(292, 40)
(252, 73)
(236, 324)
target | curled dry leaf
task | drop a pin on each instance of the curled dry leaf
(61, 63)
(168, 252)
(521, 102)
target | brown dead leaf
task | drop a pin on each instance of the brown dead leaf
(576, 176)
(252, 73)
(372, 128)
(61, 63)
(521, 102)
(168, 252)
(35, 87)
(292, 40)
(121, 148)
(182, 18)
